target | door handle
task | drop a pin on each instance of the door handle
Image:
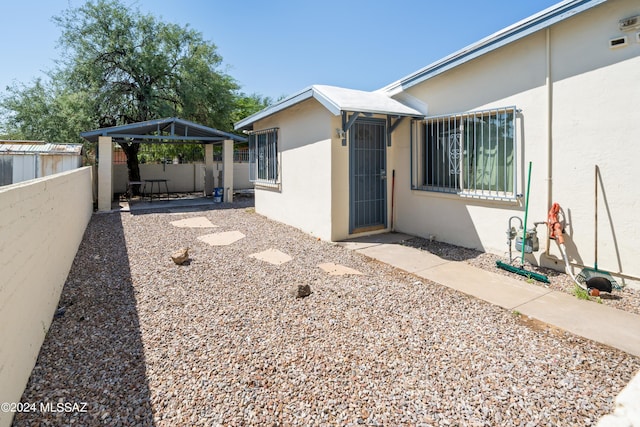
(383, 174)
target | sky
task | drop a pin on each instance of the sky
(275, 48)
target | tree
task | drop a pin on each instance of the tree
(44, 111)
(135, 68)
(119, 67)
(246, 105)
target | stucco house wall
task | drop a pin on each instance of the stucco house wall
(567, 80)
(577, 99)
(339, 185)
(595, 121)
(303, 196)
(185, 177)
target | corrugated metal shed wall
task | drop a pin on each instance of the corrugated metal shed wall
(6, 170)
(22, 162)
(55, 163)
(24, 167)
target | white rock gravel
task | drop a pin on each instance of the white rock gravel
(220, 341)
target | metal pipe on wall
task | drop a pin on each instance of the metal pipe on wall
(549, 86)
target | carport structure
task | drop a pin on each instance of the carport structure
(162, 131)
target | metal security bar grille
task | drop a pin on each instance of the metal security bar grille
(368, 175)
(471, 154)
(263, 156)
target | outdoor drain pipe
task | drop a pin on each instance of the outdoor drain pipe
(549, 179)
(549, 86)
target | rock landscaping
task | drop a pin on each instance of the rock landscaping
(220, 341)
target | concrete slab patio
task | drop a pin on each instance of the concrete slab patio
(403, 257)
(164, 204)
(494, 288)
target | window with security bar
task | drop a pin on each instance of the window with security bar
(263, 156)
(471, 154)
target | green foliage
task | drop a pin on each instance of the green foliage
(119, 66)
(156, 153)
(247, 105)
(45, 112)
(135, 68)
(581, 293)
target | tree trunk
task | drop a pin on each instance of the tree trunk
(133, 167)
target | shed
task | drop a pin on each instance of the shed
(24, 160)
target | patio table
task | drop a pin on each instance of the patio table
(158, 182)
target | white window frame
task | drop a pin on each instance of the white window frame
(263, 157)
(471, 154)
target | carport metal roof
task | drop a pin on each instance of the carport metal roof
(23, 147)
(168, 130)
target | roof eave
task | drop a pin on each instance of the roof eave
(290, 101)
(105, 131)
(324, 99)
(519, 30)
(129, 131)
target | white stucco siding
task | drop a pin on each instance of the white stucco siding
(304, 154)
(512, 76)
(595, 122)
(339, 185)
(600, 130)
(595, 98)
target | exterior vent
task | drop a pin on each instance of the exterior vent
(618, 42)
(630, 23)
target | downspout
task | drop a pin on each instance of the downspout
(549, 84)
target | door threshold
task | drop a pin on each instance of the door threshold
(370, 228)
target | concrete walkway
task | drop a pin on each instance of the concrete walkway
(606, 325)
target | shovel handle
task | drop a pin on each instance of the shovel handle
(595, 259)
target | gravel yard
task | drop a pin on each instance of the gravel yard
(220, 341)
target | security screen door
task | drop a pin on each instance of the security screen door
(367, 164)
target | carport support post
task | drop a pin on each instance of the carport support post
(105, 173)
(208, 169)
(227, 168)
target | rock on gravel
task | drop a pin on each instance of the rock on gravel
(218, 342)
(301, 291)
(180, 256)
